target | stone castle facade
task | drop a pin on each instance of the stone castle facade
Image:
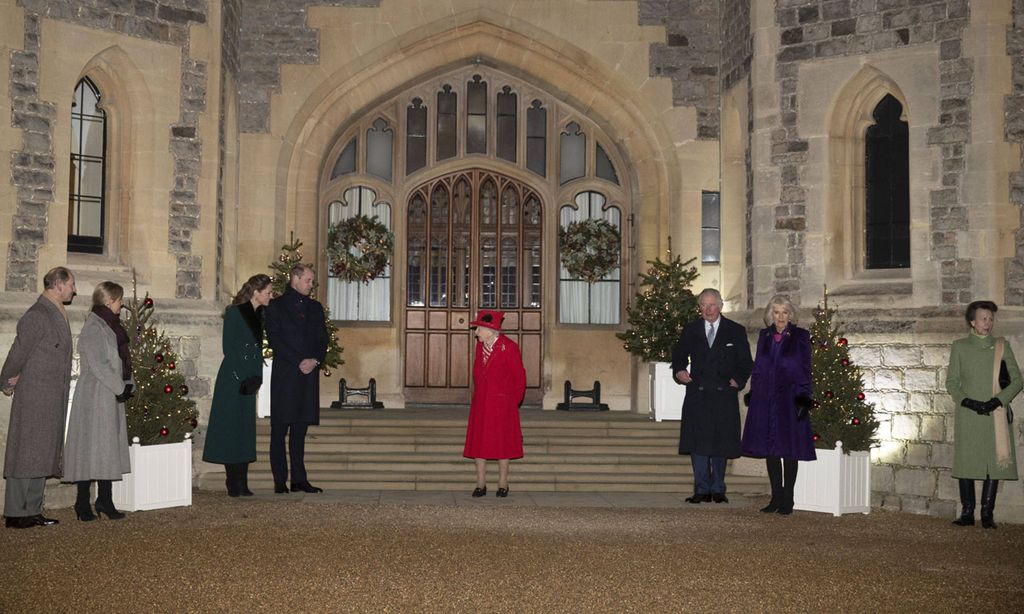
(228, 125)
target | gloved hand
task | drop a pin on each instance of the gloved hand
(975, 406)
(250, 385)
(992, 404)
(803, 406)
(746, 400)
(126, 394)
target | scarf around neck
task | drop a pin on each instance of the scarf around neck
(114, 322)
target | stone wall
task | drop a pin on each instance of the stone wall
(690, 55)
(816, 30)
(32, 167)
(274, 32)
(737, 54)
(905, 377)
(1014, 131)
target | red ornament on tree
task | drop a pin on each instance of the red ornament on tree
(148, 302)
(164, 431)
(194, 423)
(170, 365)
(168, 389)
(845, 362)
(815, 437)
(829, 394)
(860, 396)
(843, 341)
(855, 422)
(158, 357)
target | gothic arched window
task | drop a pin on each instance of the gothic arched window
(887, 188)
(87, 191)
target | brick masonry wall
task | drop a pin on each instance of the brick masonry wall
(1014, 131)
(819, 29)
(690, 55)
(32, 167)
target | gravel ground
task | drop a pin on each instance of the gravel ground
(237, 555)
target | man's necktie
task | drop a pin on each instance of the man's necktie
(711, 336)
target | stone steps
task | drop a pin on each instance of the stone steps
(421, 450)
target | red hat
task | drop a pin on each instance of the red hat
(489, 319)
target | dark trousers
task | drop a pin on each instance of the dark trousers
(296, 433)
(708, 474)
(23, 497)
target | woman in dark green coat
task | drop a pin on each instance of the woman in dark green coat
(231, 433)
(984, 443)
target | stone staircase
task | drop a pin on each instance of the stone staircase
(421, 449)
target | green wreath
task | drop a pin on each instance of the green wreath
(358, 248)
(590, 249)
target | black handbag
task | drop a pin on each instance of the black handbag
(1004, 381)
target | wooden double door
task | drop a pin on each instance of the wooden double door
(474, 241)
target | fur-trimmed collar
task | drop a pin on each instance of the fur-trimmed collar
(253, 319)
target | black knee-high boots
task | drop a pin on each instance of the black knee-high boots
(237, 481)
(82, 507)
(988, 502)
(782, 476)
(243, 480)
(774, 464)
(967, 503)
(233, 481)
(105, 500)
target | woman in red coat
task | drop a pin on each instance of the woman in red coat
(499, 381)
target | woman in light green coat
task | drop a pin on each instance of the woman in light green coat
(984, 442)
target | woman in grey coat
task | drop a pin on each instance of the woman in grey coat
(97, 438)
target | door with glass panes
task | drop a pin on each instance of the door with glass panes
(473, 242)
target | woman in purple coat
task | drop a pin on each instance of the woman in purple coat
(777, 427)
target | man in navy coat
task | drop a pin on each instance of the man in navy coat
(712, 359)
(297, 332)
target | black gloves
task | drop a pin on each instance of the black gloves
(980, 407)
(126, 394)
(992, 404)
(250, 385)
(803, 405)
(746, 400)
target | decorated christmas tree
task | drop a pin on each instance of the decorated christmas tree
(840, 412)
(281, 277)
(160, 410)
(662, 307)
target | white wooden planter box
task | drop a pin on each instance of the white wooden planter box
(836, 483)
(666, 395)
(263, 396)
(161, 477)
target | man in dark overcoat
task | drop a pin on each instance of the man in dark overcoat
(712, 359)
(38, 373)
(297, 332)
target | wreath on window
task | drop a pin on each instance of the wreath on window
(358, 248)
(590, 249)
